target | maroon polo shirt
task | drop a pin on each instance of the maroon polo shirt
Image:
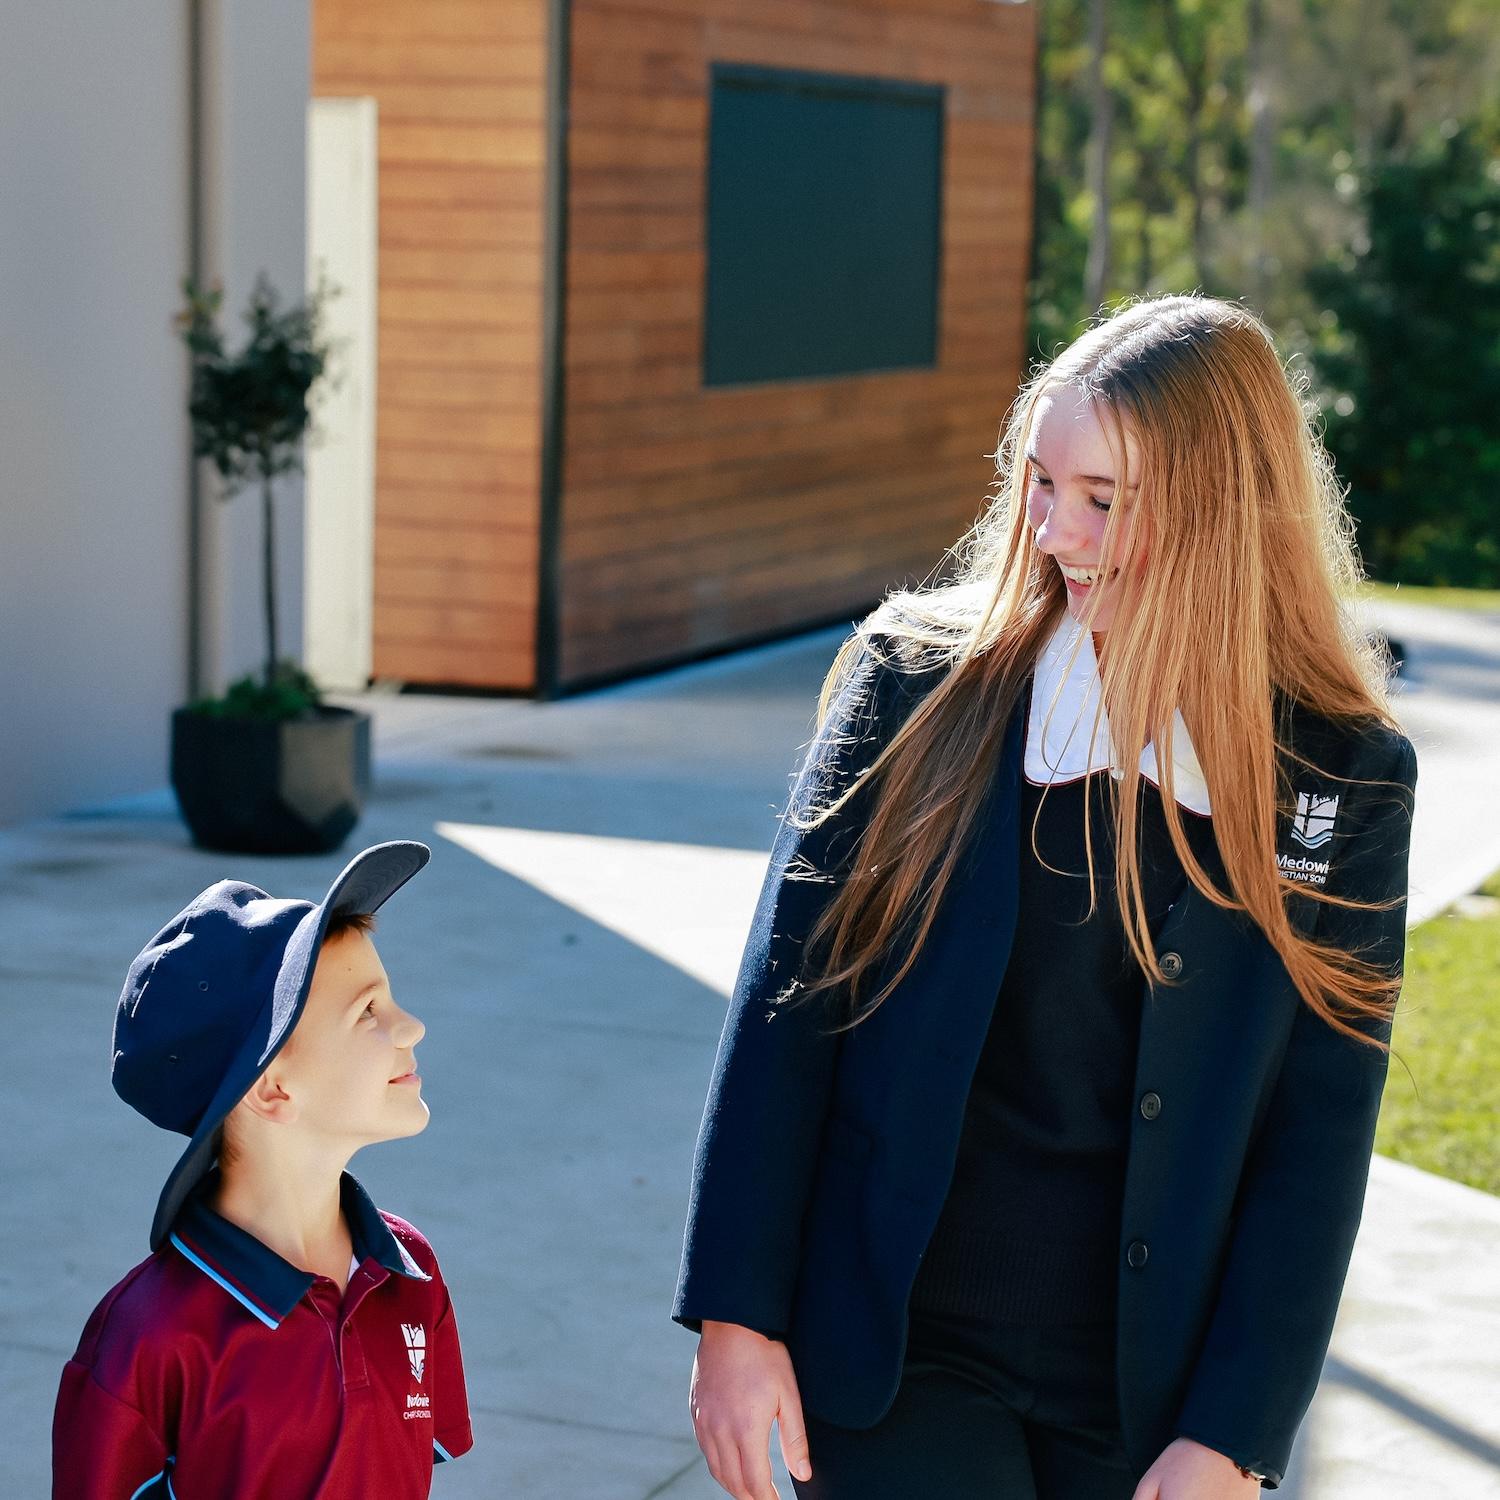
(216, 1370)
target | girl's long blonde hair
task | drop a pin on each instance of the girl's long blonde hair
(1244, 596)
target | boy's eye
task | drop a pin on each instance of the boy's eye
(369, 1009)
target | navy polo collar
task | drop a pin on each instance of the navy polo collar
(255, 1275)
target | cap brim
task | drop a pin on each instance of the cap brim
(369, 880)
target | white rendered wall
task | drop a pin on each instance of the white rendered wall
(256, 79)
(94, 470)
(339, 491)
(93, 478)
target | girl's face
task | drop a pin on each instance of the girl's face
(1070, 484)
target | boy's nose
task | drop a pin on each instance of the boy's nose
(409, 1030)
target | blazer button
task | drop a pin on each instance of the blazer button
(1150, 1106)
(1171, 964)
(1136, 1254)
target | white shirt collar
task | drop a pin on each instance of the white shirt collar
(1067, 730)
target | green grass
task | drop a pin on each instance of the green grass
(1481, 600)
(1441, 1111)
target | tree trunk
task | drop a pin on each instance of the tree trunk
(1101, 129)
(268, 565)
(1262, 145)
(1192, 65)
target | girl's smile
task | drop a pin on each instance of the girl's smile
(1070, 490)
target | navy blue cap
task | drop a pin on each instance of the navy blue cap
(213, 997)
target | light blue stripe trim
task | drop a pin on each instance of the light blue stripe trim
(171, 1493)
(447, 1457)
(234, 1292)
(152, 1482)
(412, 1268)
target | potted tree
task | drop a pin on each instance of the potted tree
(268, 767)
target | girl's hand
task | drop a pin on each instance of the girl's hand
(1189, 1471)
(742, 1382)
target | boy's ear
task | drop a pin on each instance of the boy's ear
(268, 1100)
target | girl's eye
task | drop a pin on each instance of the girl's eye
(1094, 500)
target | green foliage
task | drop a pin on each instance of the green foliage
(1442, 1094)
(1332, 166)
(250, 410)
(289, 695)
(1410, 362)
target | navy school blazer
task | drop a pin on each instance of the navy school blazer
(824, 1160)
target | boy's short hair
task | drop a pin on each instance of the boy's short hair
(342, 922)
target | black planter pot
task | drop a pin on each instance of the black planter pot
(292, 787)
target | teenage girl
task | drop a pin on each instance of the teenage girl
(1038, 1134)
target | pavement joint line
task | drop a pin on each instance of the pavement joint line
(671, 1479)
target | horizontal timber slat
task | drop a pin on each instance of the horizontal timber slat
(812, 509)
(466, 625)
(484, 468)
(438, 264)
(462, 428)
(401, 542)
(439, 185)
(441, 507)
(501, 308)
(381, 60)
(502, 581)
(504, 662)
(451, 21)
(452, 346)
(512, 387)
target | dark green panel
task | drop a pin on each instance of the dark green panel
(824, 225)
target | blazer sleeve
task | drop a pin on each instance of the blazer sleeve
(1302, 1191)
(768, 1095)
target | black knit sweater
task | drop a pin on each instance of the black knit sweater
(1030, 1229)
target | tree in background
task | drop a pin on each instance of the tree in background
(1242, 148)
(1408, 361)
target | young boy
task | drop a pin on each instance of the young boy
(285, 1337)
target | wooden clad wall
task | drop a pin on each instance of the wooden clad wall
(461, 91)
(691, 517)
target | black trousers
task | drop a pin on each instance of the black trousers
(985, 1412)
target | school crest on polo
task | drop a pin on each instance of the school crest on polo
(416, 1347)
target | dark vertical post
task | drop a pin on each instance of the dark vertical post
(554, 309)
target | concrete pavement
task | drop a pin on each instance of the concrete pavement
(570, 948)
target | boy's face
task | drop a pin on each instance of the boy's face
(349, 1068)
